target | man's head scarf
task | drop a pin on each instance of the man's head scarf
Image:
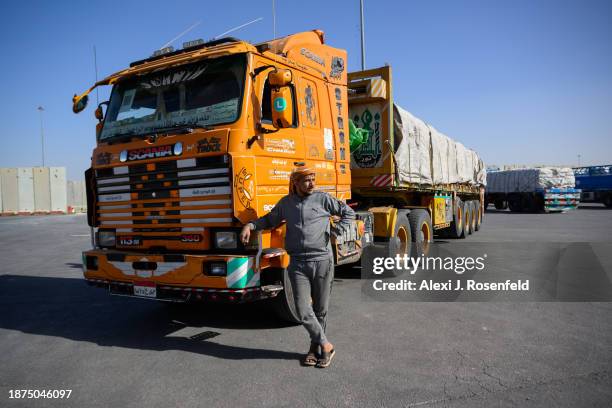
(296, 175)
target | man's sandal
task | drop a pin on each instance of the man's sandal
(326, 358)
(310, 359)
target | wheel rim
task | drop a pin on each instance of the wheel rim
(402, 235)
(425, 236)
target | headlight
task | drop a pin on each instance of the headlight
(217, 269)
(226, 240)
(106, 238)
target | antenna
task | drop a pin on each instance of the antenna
(238, 27)
(96, 68)
(274, 18)
(181, 34)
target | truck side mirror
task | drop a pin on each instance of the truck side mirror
(99, 112)
(282, 107)
(79, 103)
(281, 98)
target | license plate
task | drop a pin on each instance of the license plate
(145, 289)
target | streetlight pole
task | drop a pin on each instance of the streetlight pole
(362, 36)
(42, 135)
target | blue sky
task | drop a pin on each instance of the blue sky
(521, 81)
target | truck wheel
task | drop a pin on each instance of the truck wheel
(422, 231)
(478, 217)
(402, 236)
(456, 228)
(283, 304)
(500, 204)
(467, 219)
(515, 204)
(608, 201)
(400, 242)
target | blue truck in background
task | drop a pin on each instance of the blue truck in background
(595, 183)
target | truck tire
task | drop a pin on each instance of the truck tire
(478, 218)
(422, 231)
(467, 219)
(283, 304)
(500, 204)
(607, 201)
(515, 203)
(402, 235)
(456, 228)
(399, 244)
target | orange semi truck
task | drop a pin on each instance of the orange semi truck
(194, 143)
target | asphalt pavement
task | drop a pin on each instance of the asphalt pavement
(58, 333)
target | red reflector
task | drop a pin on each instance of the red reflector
(231, 298)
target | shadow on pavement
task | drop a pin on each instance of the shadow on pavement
(64, 307)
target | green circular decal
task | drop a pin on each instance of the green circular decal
(280, 104)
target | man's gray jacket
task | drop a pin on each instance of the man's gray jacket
(308, 226)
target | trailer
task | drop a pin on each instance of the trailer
(595, 183)
(548, 189)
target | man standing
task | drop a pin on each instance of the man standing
(307, 241)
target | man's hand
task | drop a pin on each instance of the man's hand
(245, 234)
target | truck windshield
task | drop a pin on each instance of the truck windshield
(201, 94)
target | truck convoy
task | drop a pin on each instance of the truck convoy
(595, 182)
(194, 143)
(548, 189)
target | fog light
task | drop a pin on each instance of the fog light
(106, 238)
(226, 240)
(217, 269)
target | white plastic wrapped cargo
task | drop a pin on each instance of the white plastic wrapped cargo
(464, 164)
(10, 191)
(441, 153)
(481, 176)
(57, 185)
(476, 163)
(413, 155)
(560, 177)
(530, 180)
(25, 187)
(42, 193)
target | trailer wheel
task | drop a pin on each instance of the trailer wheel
(283, 304)
(422, 231)
(456, 228)
(608, 201)
(478, 216)
(467, 219)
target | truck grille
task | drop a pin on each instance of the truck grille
(168, 197)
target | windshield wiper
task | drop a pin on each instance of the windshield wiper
(119, 137)
(183, 128)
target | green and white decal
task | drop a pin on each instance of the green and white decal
(241, 273)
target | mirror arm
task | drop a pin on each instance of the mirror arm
(259, 70)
